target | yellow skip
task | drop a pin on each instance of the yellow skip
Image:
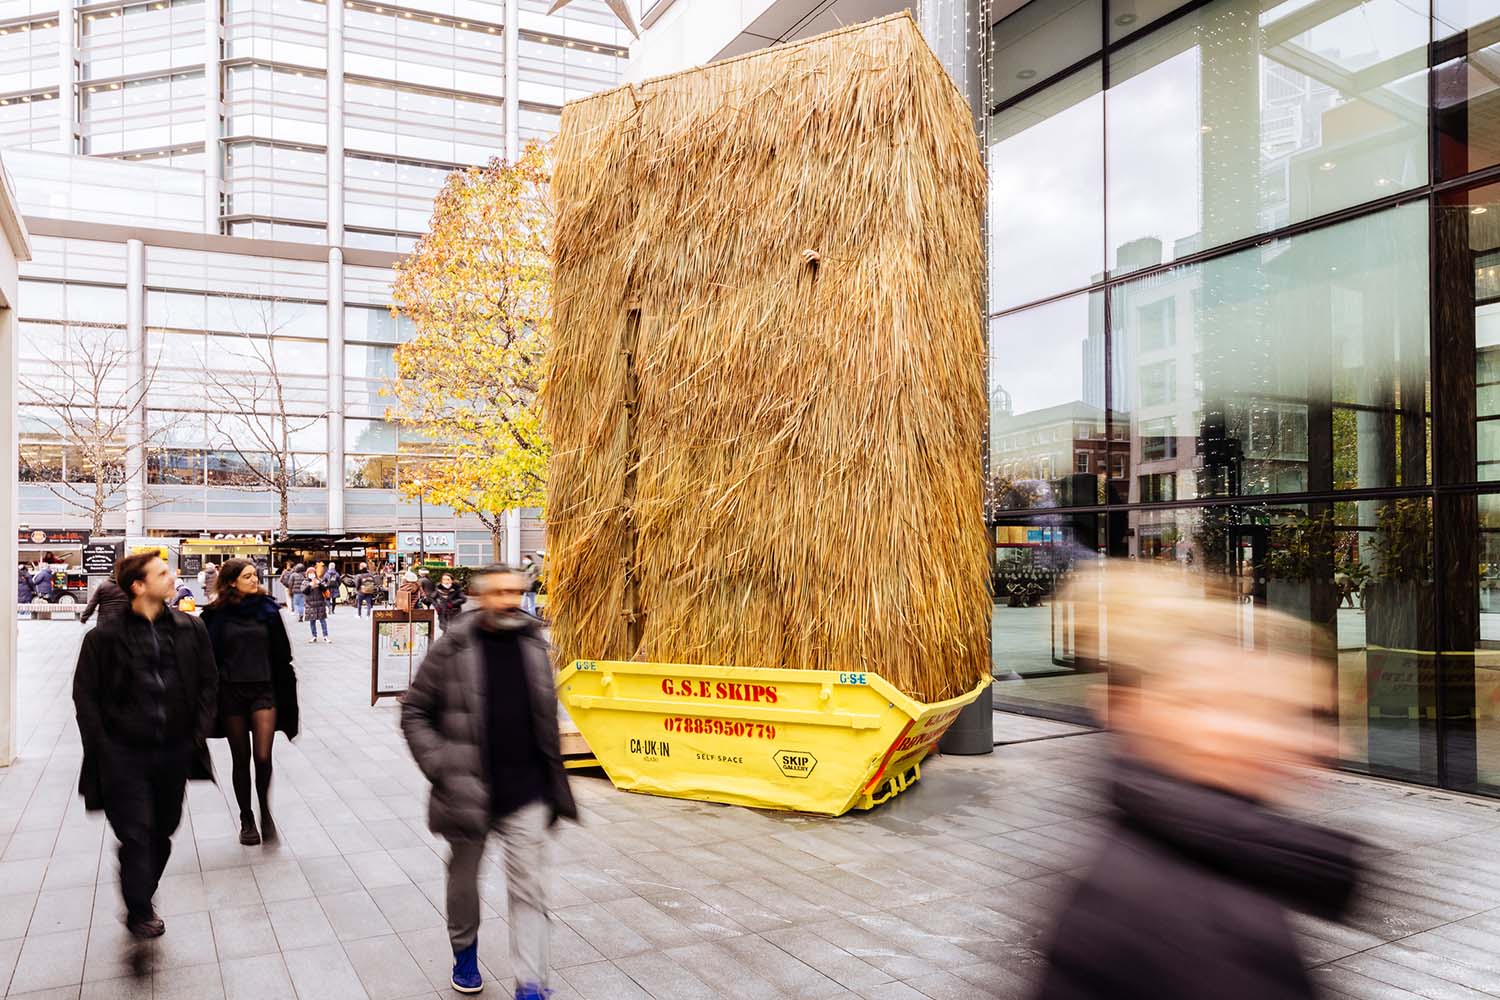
(814, 741)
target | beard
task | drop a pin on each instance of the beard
(503, 621)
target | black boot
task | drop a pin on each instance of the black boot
(267, 826)
(249, 836)
(145, 925)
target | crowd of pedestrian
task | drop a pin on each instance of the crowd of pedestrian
(155, 682)
(1187, 896)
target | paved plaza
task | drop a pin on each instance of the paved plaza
(944, 893)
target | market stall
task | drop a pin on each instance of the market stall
(62, 549)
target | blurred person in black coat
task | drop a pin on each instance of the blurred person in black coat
(1187, 897)
(146, 691)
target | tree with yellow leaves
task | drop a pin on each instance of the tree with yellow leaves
(477, 289)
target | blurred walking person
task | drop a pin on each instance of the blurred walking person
(533, 575)
(429, 587)
(331, 585)
(1187, 896)
(41, 581)
(24, 590)
(257, 686)
(365, 585)
(296, 580)
(146, 692)
(481, 720)
(448, 600)
(209, 578)
(315, 599)
(183, 599)
(109, 601)
(409, 594)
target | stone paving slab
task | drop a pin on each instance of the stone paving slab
(946, 892)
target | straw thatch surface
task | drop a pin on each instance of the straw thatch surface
(767, 288)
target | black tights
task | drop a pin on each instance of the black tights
(262, 724)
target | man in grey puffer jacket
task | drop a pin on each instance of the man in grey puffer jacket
(481, 720)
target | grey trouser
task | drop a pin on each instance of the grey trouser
(524, 836)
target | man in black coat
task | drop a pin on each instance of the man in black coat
(1187, 897)
(109, 601)
(481, 721)
(146, 692)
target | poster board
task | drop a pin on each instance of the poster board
(398, 642)
(99, 558)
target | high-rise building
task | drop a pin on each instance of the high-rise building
(217, 191)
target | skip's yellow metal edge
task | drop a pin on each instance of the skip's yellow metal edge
(814, 741)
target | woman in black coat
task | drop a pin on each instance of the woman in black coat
(315, 598)
(257, 686)
(448, 599)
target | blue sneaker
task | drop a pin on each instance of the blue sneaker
(466, 978)
(530, 991)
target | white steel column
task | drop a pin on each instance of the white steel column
(513, 536)
(10, 507)
(135, 430)
(14, 247)
(512, 80)
(213, 99)
(335, 140)
(335, 387)
(66, 94)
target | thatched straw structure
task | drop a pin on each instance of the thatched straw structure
(766, 391)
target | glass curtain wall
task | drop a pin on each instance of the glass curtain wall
(1245, 289)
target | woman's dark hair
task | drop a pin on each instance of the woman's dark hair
(225, 592)
(131, 569)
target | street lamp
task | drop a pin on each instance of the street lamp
(421, 523)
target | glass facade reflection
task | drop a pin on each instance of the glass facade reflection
(1245, 294)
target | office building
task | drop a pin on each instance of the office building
(217, 191)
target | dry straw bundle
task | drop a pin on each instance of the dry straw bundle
(766, 391)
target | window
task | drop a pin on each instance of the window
(1467, 92)
(41, 463)
(389, 194)
(28, 55)
(1158, 383)
(1081, 461)
(1046, 199)
(142, 114)
(30, 120)
(1039, 41)
(376, 324)
(370, 472)
(289, 32)
(1158, 325)
(426, 126)
(554, 71)
(141, 38)
(1158, 439)
(428, 50)
(275, 182)
(286, 105)
(1338, 118)
(174, 467)
(1158, 487)
(1045, 391)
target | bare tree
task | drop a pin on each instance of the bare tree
(265, 419)
(92, 398)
